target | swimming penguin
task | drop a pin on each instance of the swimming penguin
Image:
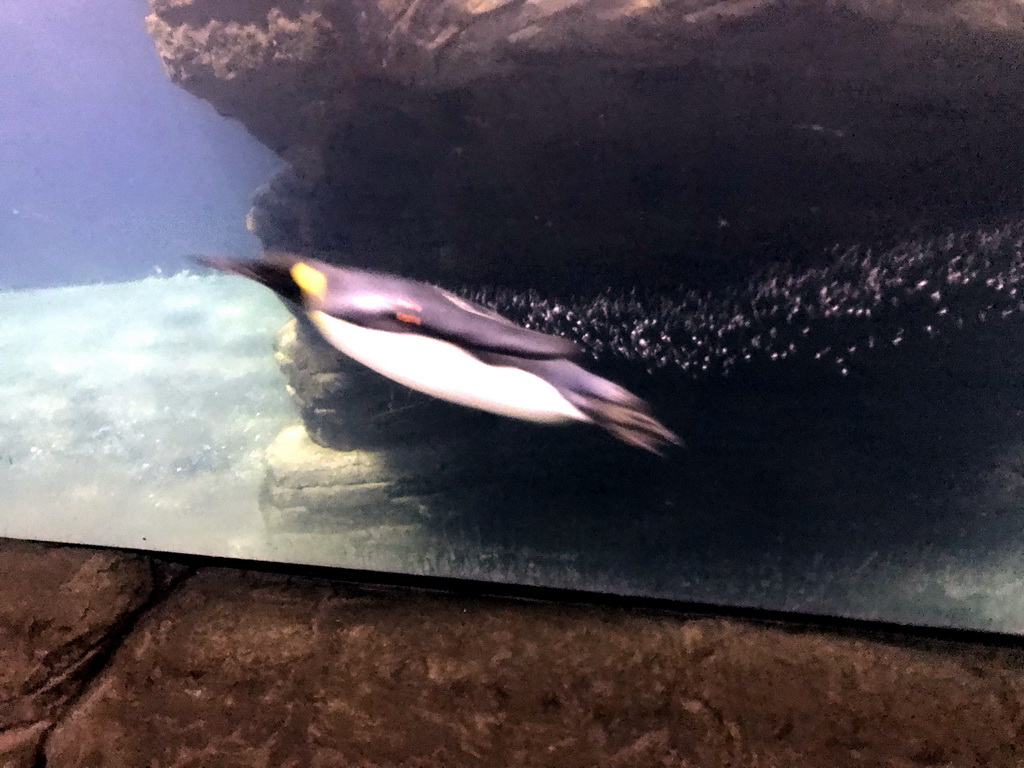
(453, 349)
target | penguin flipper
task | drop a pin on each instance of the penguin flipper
(480, 328)
(434, 312)
(604, 403)
(631, 424)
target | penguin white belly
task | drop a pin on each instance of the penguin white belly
(448, 372)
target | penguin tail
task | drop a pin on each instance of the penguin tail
(604, 403)
(631, 422)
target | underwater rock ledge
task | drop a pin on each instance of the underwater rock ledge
(572, 145)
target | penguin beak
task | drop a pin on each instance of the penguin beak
(274, 273)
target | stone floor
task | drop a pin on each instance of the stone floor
(111, 659)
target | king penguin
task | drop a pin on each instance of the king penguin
(435, 342)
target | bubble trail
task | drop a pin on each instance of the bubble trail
(860, 301)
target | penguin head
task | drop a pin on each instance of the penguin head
(313, 285)
(348, 293)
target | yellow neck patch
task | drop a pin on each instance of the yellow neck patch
(310, 280)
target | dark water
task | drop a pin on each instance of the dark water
(850, 500)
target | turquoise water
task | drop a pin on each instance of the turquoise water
(130, 418)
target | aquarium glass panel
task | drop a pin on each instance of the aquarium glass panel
(720, 303)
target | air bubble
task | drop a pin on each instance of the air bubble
(862, 297)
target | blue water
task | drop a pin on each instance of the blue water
(109, 171)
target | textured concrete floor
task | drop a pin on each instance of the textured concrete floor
(112, 659)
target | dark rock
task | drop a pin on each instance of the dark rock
(20, 745)
(239, 669)
(568, 145)
(61, 609)
(311, 488)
